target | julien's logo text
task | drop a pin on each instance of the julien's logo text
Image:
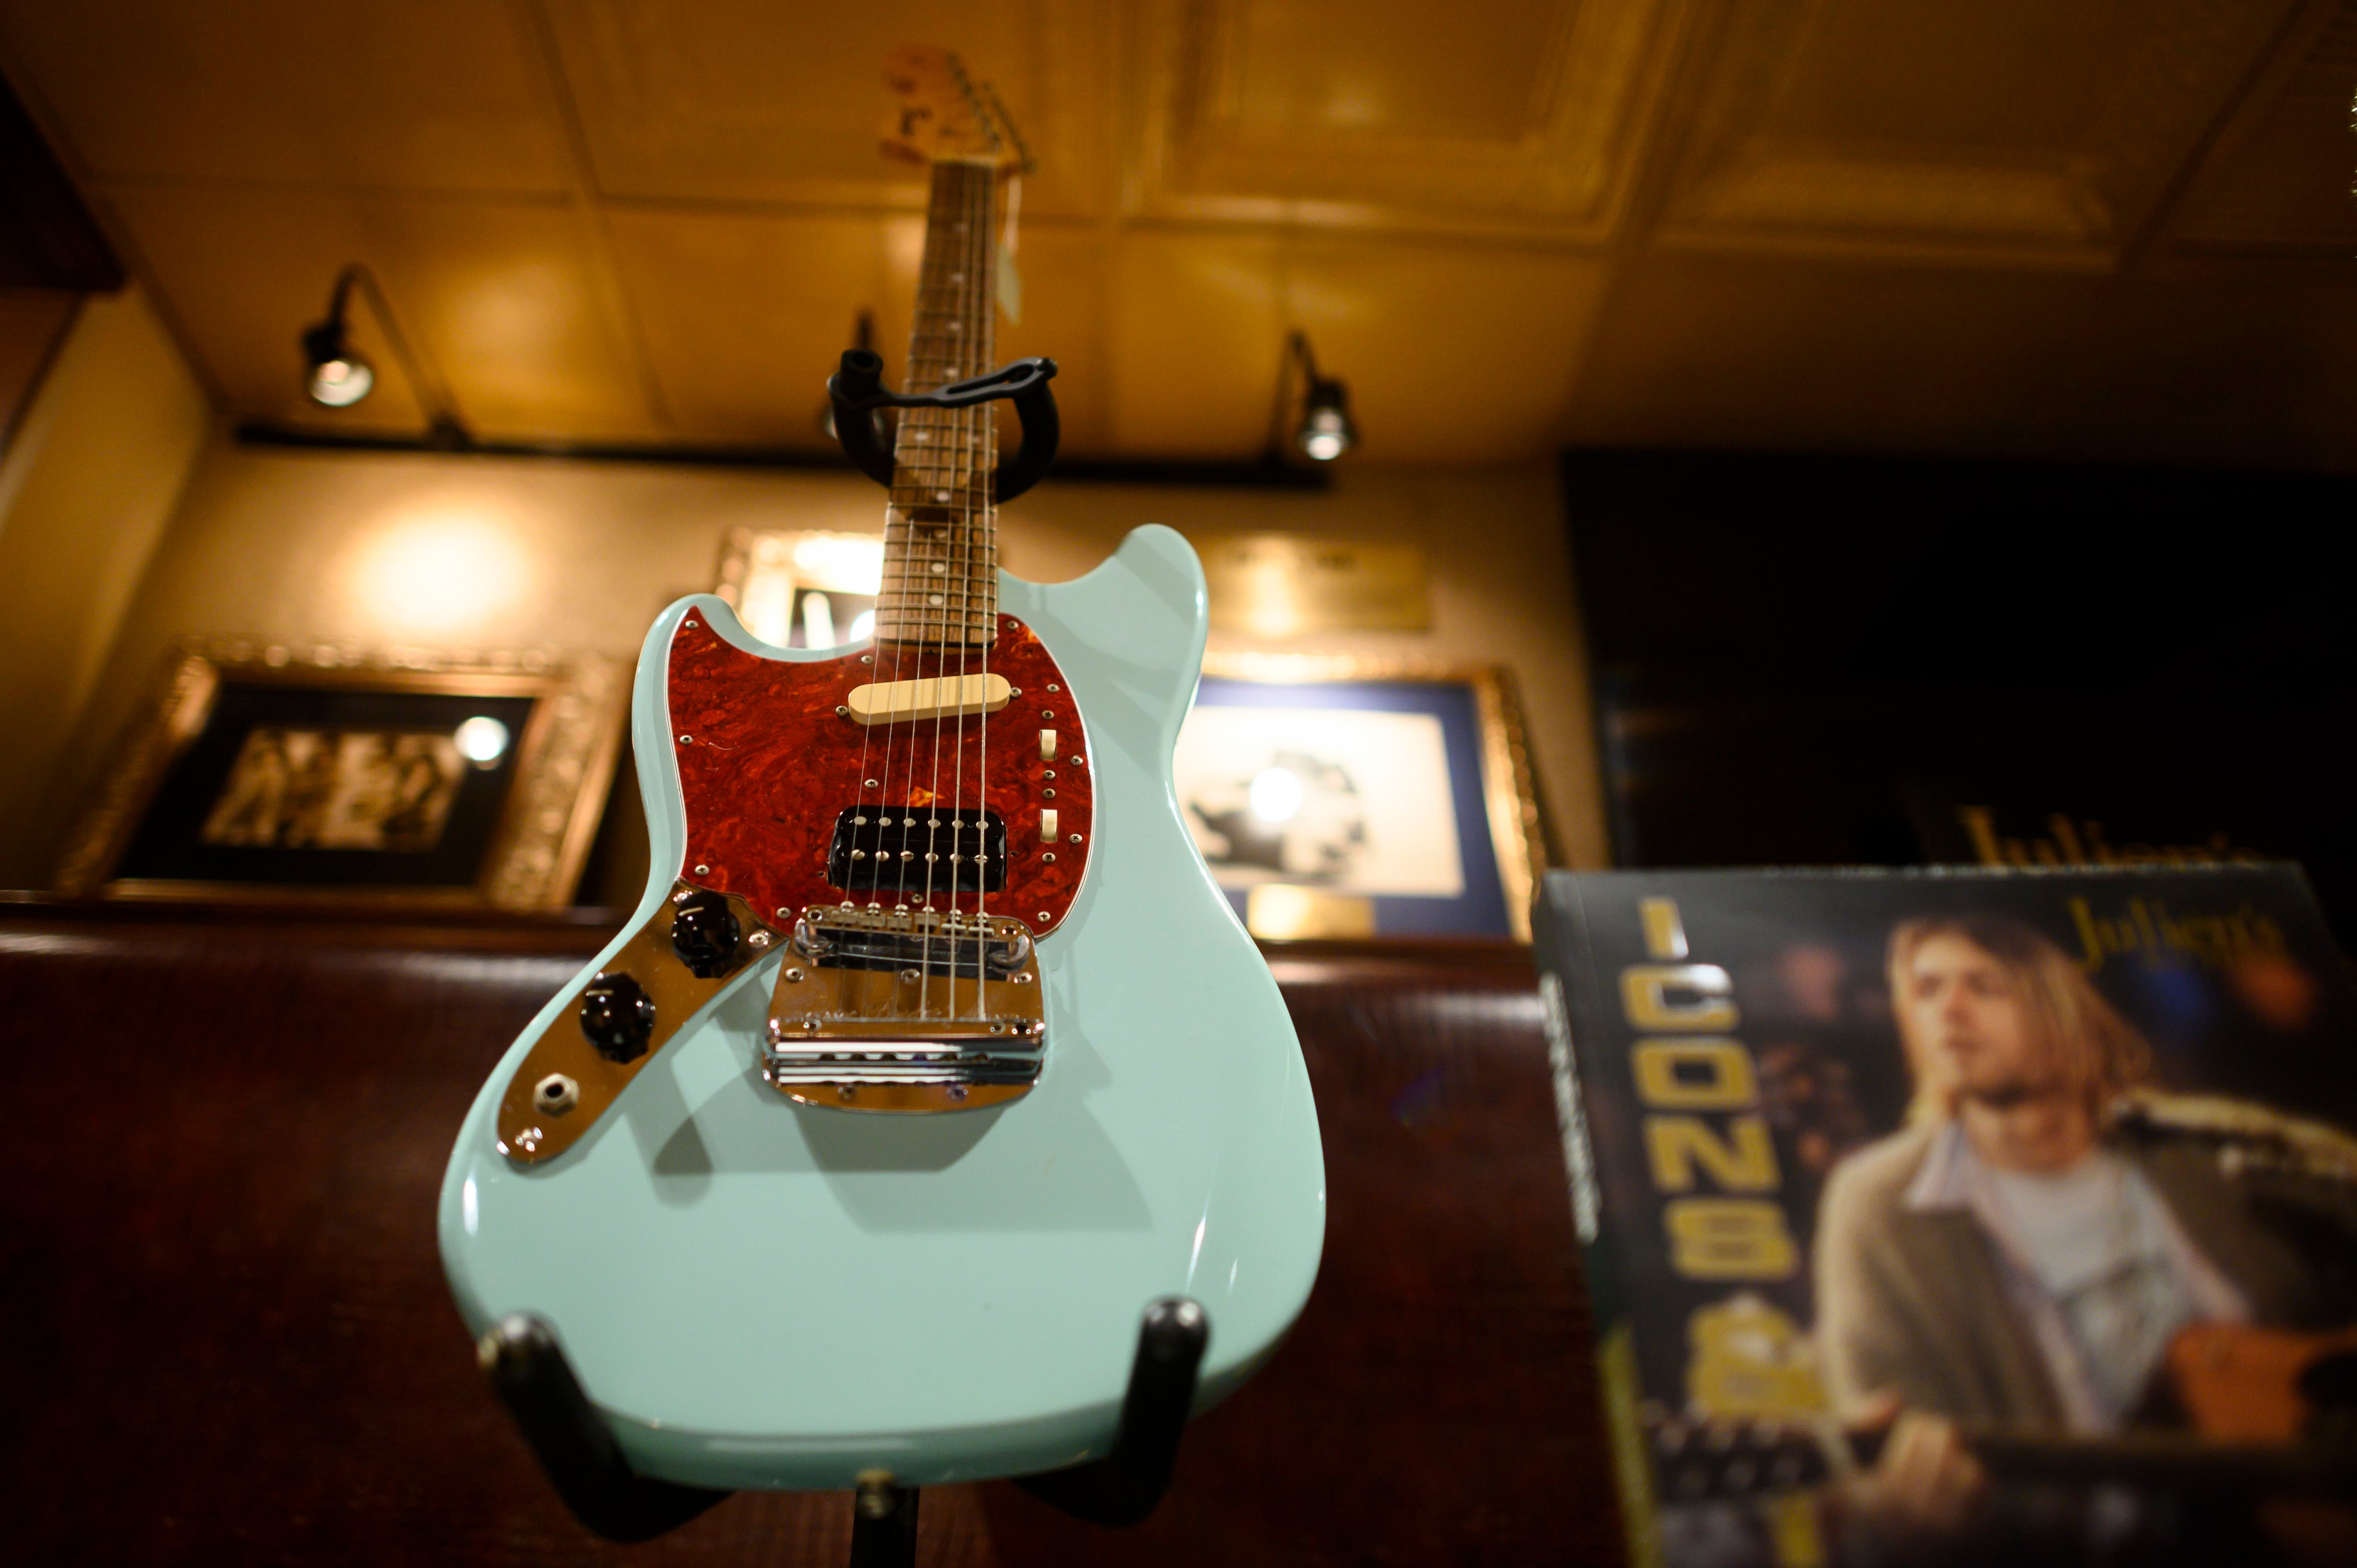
(2082, 842)
(2145, 928)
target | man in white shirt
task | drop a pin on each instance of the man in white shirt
(2023, 1252)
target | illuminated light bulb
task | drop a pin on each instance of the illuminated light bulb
(863, 625)
(482, 740)
(342, 382)
(1326, 429)
(1276, 795)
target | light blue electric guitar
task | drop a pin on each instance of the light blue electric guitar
(931, 1055)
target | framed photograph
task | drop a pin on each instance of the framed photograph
(810, 588)
(268, 773)
(1345, 797)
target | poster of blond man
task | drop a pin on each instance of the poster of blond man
(1951, 1216)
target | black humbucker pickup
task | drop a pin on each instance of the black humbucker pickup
(910, 849)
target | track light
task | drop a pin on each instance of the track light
(1326, 431)
(338, 375)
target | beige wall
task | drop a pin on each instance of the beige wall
(90, 481)
(481, 552)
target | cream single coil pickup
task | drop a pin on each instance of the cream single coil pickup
(1047, 746)
(944, 696)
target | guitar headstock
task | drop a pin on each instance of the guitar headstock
(939, 112)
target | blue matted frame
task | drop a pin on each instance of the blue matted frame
(1501, 839)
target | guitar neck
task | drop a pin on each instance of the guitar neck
(940, 533)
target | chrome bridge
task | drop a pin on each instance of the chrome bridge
(907, 1011)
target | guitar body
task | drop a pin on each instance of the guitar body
(760, 1289)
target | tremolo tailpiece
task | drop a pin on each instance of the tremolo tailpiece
(906, 1012)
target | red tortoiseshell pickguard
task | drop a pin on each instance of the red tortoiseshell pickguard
(765, 764)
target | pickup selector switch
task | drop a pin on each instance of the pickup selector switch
(704, 933)
(616, 1018)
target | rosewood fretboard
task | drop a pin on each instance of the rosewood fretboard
(940, 536)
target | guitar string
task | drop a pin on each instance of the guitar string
(984, 457)
(973, 503)
(910, 435)
(888, 623)
(933, 802)
(986, 440)
(959, 476)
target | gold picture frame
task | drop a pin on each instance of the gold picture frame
(265, 772)
(1508, 804)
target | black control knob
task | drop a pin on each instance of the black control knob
(704, 933)
(616, 1018)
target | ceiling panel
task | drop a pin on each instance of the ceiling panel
(1400, 116)
(502, 294)
(745, 315)
(2279, 181)
(752, 102)
(1715, 351)
(1451, 356)
(1789, 221)
(2013, 130)
(418, 94)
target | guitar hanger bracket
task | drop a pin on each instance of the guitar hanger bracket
(528, 1369)
(857, 392)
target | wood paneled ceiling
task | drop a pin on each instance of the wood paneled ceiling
(2059, 227)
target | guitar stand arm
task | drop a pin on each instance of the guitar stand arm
(857, 392)
(529, 1372)
(1123, 1488)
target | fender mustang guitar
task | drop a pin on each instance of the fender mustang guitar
(931, 1055)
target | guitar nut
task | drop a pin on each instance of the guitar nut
(555, 1095)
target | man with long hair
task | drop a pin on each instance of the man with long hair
(2022, 1252)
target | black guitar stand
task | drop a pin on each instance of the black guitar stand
(858, 394)
(528, 1370)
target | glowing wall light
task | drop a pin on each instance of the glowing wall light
(441, 573)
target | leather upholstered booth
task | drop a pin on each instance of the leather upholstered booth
(229, 1338)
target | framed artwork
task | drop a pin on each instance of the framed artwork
(265, 773)
(811, 588)
(1346, 796)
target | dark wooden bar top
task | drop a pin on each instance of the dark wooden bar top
(229, 1336)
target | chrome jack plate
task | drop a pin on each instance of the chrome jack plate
(906, 1012)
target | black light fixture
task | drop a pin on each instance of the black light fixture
(1326, 431)
(338, 375)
